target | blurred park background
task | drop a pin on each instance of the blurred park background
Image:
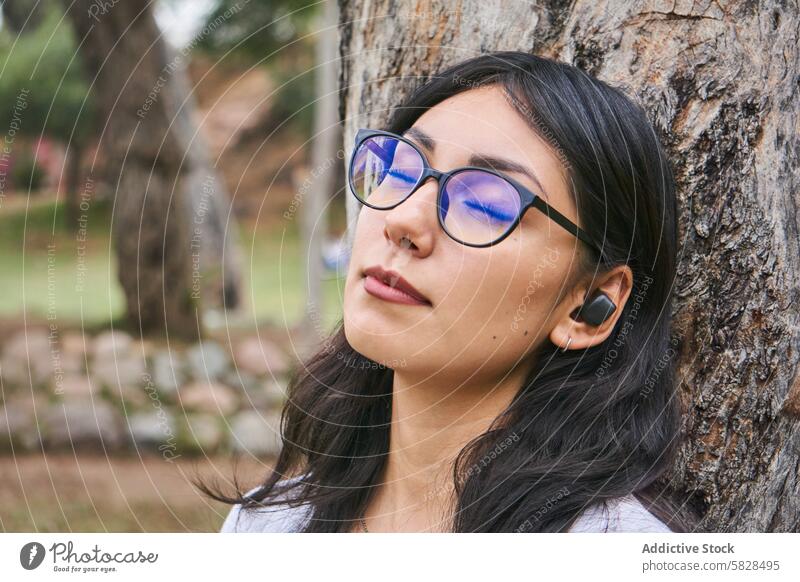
(172, 220)
(174, 226)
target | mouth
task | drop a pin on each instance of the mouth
(390, 286)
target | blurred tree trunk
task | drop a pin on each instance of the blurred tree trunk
(320, 182)
(22, 16)
(214, 240)
(721, 84)
(72, 182)
(168, 224)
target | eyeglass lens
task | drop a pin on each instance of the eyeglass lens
(476, 208)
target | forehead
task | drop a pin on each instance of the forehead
(483, 121)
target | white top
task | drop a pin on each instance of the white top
(625, 514)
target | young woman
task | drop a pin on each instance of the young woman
(502, 364)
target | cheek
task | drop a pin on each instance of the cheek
(535, 292)
(481, 296)
(512, 295)
(499, 313)
(367, 228)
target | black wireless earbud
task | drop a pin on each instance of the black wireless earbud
(596, 310)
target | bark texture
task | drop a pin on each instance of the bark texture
(170, 218)
(720, 80)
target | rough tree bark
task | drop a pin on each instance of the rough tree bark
(169, 209)
(720, 80)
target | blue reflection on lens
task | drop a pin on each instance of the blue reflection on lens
(402, 177)
(490, 211)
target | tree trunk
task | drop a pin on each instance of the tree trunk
(23, 16)
(168, 223)
(721, 83)
(320, 181)
(72, 178)
(214, 240)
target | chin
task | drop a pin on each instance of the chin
(387, 349)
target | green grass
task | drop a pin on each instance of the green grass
(277, 279)
(40, 256)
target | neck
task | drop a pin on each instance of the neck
(432, 420)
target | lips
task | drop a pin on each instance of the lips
(395, 281)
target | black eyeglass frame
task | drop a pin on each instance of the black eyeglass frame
(528, 199)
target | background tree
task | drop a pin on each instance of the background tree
(19, 15)
(276, 34)
(166, 188)
(720, 83)
(40, 56)
(296, 42)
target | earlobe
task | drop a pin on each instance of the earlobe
(592, 313)
(590, 322)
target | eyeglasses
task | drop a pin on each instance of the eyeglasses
(477, 207)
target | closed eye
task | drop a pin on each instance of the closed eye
(401, 176)
(492, 212)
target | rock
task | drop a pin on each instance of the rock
(28, 346)
(207, 360)
(257, 393)
(18, 423)
(209, 397)
(202, 432)
(256, 433)
(74, 386)
(111, 344)
(81, 422)
(126, 370)
(134, 398)
(260, 357)
(268, 394)
(275, 391)
(241, 381)
(151, 429)
(71, 363)
(166, 369)
(75, 344)
(131, 398)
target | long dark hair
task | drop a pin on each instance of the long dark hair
(586, 426)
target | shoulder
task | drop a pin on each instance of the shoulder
(623, 514)
(281, 518)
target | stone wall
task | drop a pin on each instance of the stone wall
(112, 393)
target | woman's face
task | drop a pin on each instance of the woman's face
(489, 306)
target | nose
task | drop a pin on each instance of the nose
(415, 219)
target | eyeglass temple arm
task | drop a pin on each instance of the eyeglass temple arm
(563, 221)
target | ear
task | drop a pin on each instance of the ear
(616, 284)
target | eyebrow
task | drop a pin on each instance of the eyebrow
(479, 160)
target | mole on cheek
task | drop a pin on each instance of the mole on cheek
(526, 332)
